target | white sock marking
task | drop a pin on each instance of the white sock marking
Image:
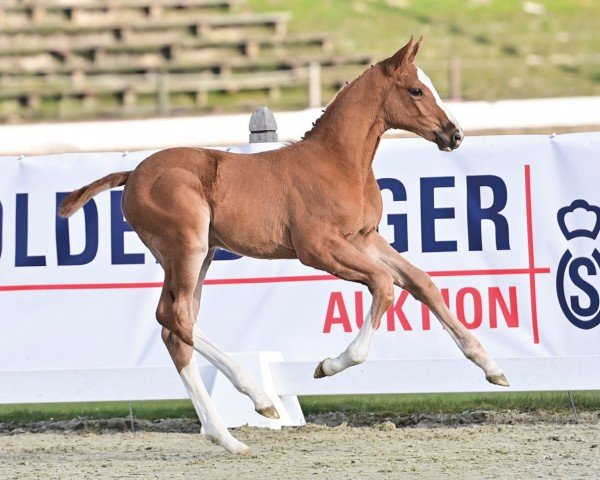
(236, 373)
(209, 416)
(356, 352)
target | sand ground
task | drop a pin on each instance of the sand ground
(498, 448)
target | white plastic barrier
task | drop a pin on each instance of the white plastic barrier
(157, 383)
(440, 376)
(507, 226)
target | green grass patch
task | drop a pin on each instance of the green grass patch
(150, 410)
(451, 402)
(497, 41)
(404, 404)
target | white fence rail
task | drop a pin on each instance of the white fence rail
(284, 381)
(296, 378)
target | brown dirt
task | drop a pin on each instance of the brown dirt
(472, 445)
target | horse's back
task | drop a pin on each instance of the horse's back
(251, 205)
(240, 196)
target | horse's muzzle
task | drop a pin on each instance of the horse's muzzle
(450, 139)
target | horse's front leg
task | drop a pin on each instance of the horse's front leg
(420, 286)
(338, 256)
(354, 354)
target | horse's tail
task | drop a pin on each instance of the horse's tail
(78, 198)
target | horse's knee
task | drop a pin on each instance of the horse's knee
(382, 289)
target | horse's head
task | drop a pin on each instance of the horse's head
(413, 104)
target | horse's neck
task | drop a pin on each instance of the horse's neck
(352, 126)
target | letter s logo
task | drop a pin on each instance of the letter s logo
(580, 222)
(585, 317)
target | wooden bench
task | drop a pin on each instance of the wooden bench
(223, 66)
(123, 55)
(64, 85)
(224, 27)
(157, 54)
(73, 11)
(275, 21)
(31, 94)
(97, 4)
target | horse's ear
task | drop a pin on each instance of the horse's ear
(403, 56)
(416, 49)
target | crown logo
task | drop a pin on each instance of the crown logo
(580, 219)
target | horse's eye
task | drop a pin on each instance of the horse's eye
(416, 92)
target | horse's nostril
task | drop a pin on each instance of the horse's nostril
(457, 137)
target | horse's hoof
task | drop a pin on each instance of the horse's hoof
(244, 450)
(498, 379)
(269, 412)
(237, 448)
(230, 443)
(319, 372)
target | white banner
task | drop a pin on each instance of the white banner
(507, 226)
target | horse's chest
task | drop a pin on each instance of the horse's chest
(371, 212)
(372, 205)
(363, 214)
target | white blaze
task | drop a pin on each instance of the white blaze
(425, 80)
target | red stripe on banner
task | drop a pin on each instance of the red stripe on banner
(214, 281)
(490, 272)
(258, 280)
(531, 255)
(79, 286)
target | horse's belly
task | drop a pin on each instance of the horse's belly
(269, 252)
(252, 240)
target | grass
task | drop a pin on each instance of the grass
(452, 403)
(504, 52)
(150, 410)
(395, 404)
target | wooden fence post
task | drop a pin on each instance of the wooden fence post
(162, 93)
(454, 79)
(263, 127)
(314, 85)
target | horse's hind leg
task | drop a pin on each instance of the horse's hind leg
(236, 373)
(175, 313)
(216, 431)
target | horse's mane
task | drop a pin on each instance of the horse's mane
(339, 97)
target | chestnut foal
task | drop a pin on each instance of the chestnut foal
(316, 200)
